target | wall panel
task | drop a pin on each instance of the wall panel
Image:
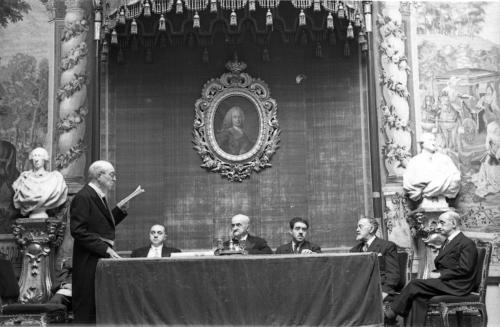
(317, 171)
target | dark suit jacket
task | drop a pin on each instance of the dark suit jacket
(143, 252)
(288, 248)
(254, 245)
(90, 220)
(457, 264)
(388, 262)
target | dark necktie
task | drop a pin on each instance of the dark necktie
(107, 208)
(365, 247)
(444, 244)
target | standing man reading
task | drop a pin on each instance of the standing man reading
(92, 225)
(298, 244)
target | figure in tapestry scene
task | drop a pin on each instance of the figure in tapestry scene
(487, 180)
(431, 175)
(38, 189)
(8, 174)
(232, 138)
(430, 114)
(488, 104)
(449, 122)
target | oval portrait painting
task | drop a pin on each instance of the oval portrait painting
(236, 125)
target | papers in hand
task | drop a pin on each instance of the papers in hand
(132, 195)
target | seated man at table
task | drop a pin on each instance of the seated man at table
(249, 243)
(387, 252)
(157, 248)
(298, 245)
(455, 273)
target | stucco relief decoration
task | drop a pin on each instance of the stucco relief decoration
(459, 80)
(72, 95)
(394, 106)
(236, 129)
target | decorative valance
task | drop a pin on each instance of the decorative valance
(164, 23)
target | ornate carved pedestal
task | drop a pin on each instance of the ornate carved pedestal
(428, 240)
(37, 238)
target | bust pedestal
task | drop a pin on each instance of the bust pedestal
(428, 240)
(37, 239)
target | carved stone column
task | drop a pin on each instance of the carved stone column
(394, 108)
(38, 238)
(72, 96)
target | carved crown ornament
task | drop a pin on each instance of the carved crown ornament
(236, 128)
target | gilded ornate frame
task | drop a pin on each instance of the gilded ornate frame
(236, 83)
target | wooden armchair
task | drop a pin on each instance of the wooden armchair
(473, 303)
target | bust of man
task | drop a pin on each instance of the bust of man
(431, 174)
(37, 190)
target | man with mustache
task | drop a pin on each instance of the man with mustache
(243, 240)
(387, 251)
(298, 245)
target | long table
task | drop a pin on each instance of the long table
(285, 290)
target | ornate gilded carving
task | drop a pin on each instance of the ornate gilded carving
(37, 237)
(236, 127)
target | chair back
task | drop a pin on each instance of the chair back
(405, 260)
(483, 267)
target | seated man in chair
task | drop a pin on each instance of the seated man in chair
(157, 248)
(455, 273)
(298, 245)
(387, 251)
(240, 237)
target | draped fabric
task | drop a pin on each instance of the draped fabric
(313, 290)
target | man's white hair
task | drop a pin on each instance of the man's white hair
(98, 167)
(243, 217)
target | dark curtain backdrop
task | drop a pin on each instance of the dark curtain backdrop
(317, 172)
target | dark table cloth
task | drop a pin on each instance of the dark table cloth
(284, 290)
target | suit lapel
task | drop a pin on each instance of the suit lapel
(449, 246)
(97, 200)
(374, 247)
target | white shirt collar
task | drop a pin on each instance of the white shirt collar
(244, 238)
(97, 189)
(370, 241)
(152, 253)
(452, 235)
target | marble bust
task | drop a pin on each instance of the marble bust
(38, 190)
(431, 176)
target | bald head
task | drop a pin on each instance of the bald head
(239, 225)
(102, 173)
(448, 223)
